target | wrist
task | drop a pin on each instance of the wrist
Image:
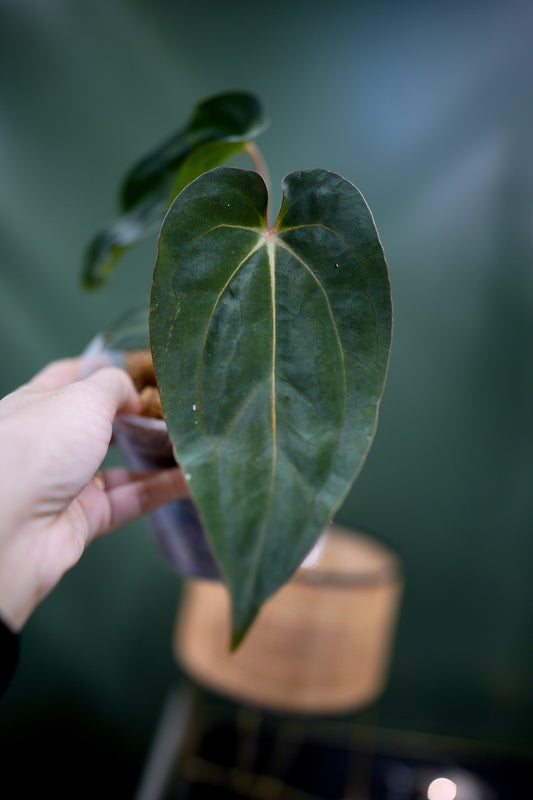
(15, 610)
(19, 592)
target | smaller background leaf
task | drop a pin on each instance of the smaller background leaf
(230, 117)
(219, 129)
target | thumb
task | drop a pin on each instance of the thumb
(117, 388)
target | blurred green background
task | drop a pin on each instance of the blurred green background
(427, 109)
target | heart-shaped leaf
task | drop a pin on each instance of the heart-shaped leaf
(271, 350)
(220, 128)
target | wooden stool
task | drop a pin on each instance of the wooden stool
(320, 645)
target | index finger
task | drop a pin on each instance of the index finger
(56, 375)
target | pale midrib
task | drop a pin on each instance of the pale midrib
(269, 241)
(272, 269)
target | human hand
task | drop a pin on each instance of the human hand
(54, 434)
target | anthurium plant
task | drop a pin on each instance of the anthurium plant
(270, 342)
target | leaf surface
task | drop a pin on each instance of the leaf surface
(271, 350)
(219, 128)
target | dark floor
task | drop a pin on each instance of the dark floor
(222, 751)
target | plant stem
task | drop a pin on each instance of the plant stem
(260, 166)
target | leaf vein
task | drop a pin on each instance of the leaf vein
(239, 414)
(237, 269)
(339, 343)
(335, 233)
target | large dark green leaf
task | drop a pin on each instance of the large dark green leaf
(220, 128)
(271, 350)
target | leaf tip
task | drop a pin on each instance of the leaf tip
(242, 623)
(236, 640)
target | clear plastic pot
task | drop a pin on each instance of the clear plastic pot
(145, 444)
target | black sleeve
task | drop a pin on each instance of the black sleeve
(9, 653)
